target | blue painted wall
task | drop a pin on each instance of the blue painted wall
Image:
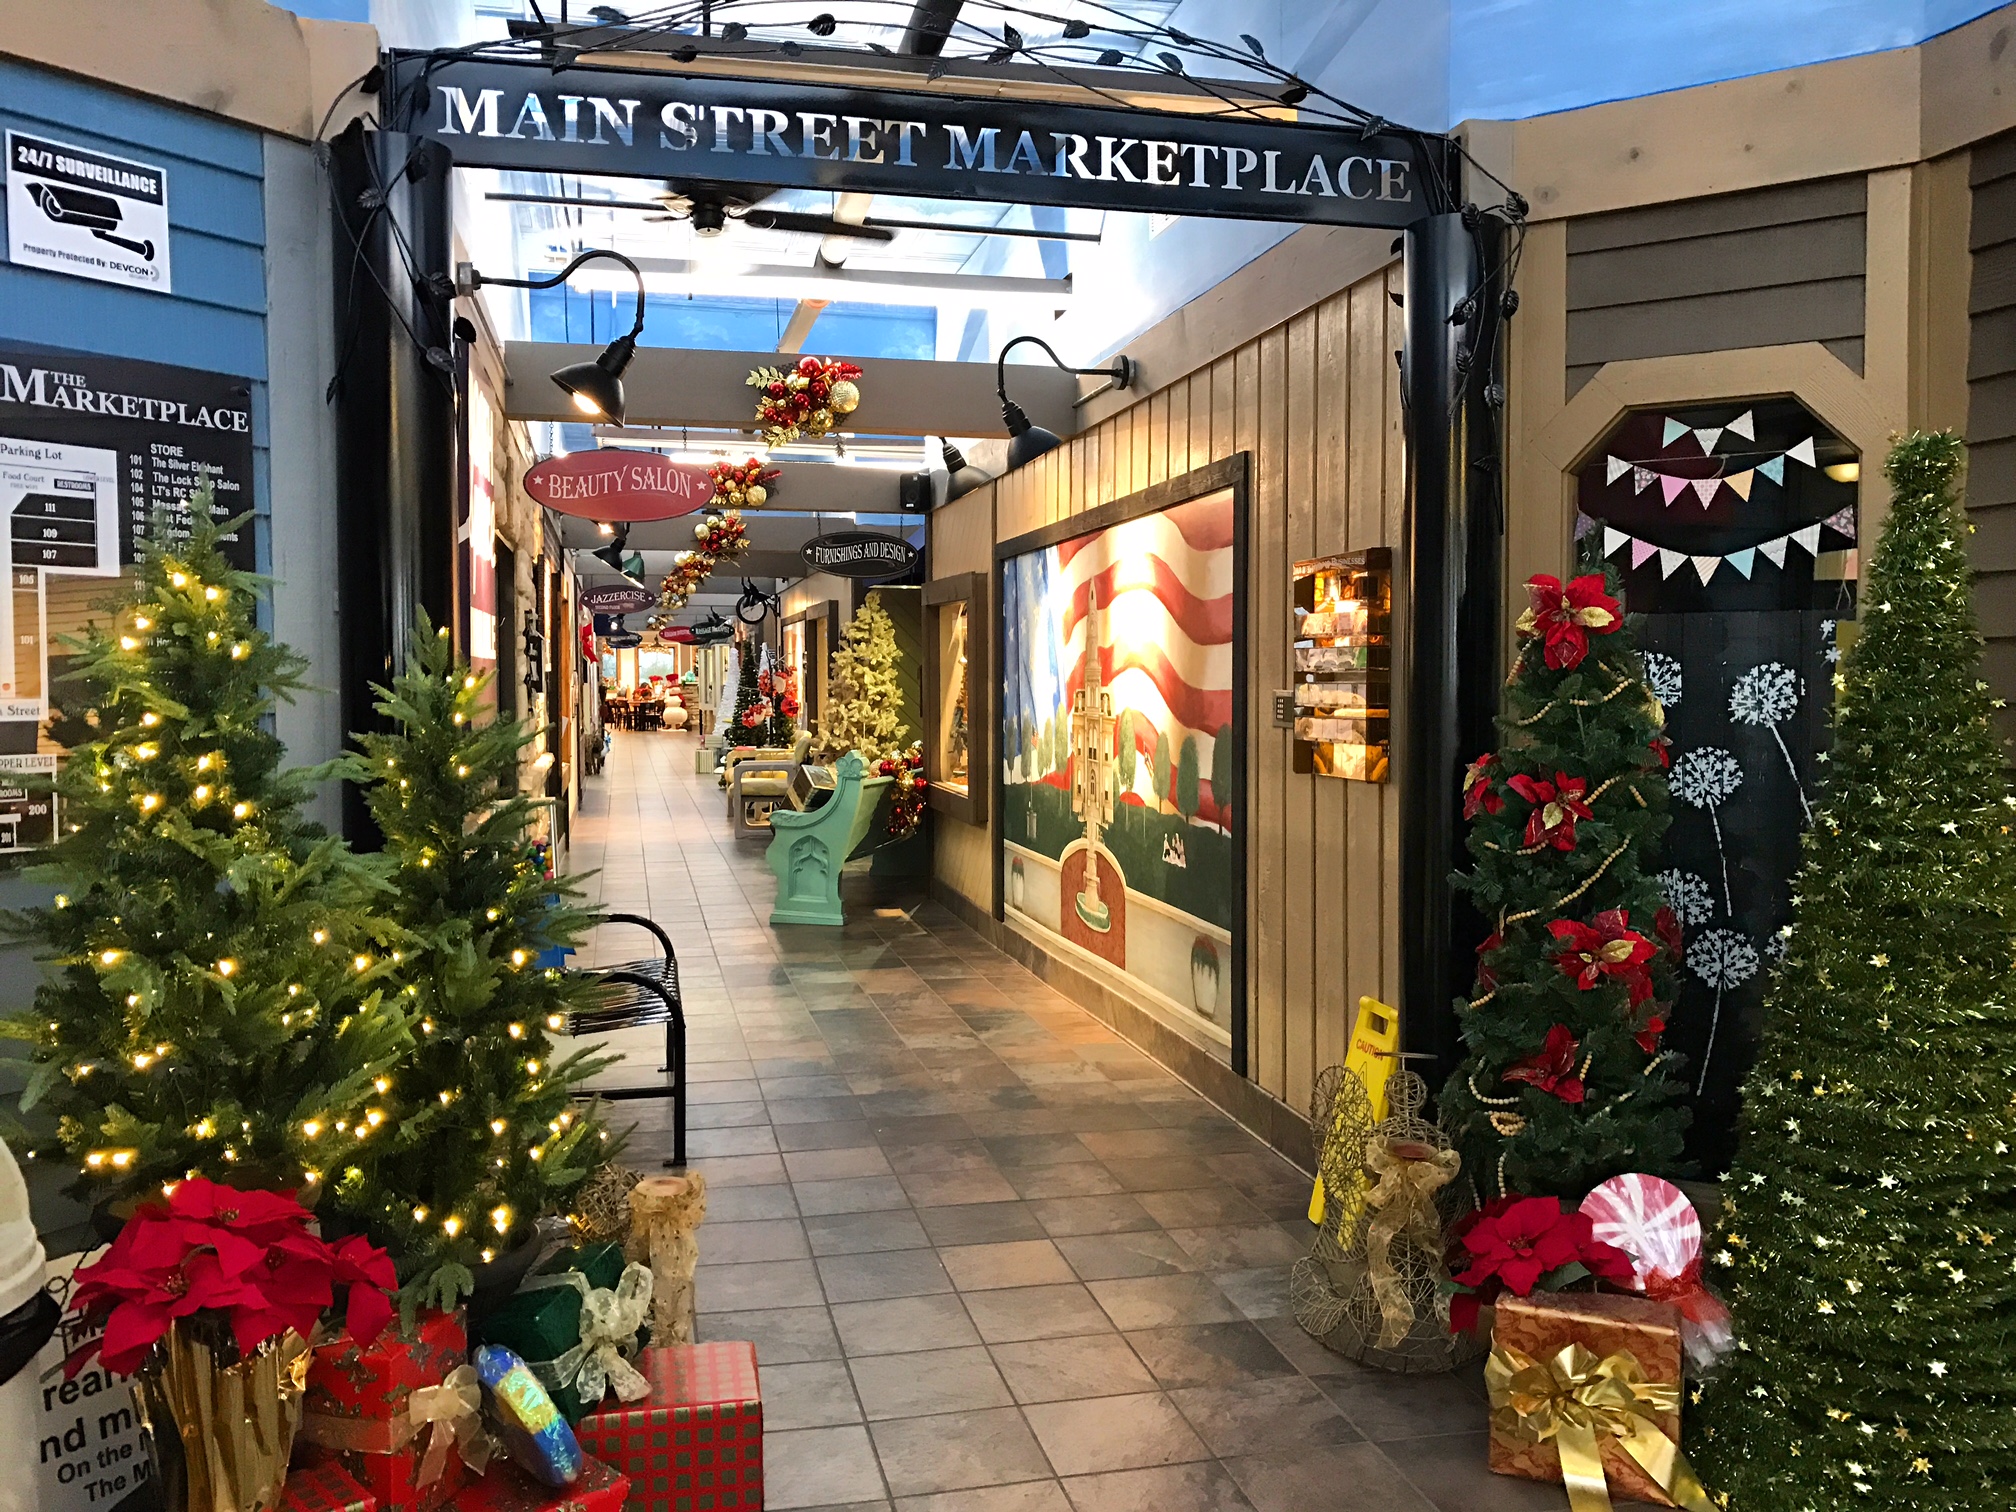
(216, 317)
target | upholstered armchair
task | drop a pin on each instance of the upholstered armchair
(758, 778)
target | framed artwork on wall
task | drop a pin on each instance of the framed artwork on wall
(1119, 761)
(957, 696)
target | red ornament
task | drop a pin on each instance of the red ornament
(1556, 807)
(1553, 1068)
(1565, 617)
(1478, 793)
(1607, 947)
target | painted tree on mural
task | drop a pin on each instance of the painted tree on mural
(1188, 774)
(1868, 1217)
(1221, 776)
(1565, 1082)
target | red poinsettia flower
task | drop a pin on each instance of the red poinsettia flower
(1667, 923)
(1486, 977)
(1648, 1036)
(1552, 1069)
(1565, 617)
(1556, 807)
(1512, 1244)
(1660, 748)
(1478, 793)
(1607, 946)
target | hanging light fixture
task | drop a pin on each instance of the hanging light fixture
(613, 552)
(595, 387)
(1027, 441)
(965, 476)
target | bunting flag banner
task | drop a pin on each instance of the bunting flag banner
(1806, 538)
(1674, 431)
(1740, 483)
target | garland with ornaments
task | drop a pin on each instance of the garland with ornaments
(717, 538)
(807, 400)
(737, 484)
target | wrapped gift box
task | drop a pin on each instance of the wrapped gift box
(541, 1323)
(695, 1444)
(1542, 1325)
(355, 1410)
(324, 1486)
(506, 1488)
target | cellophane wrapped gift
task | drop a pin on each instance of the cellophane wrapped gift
(506, 1488)
(325, 1486)
(695, 1444)
(1540, 1326)
(358, 1412)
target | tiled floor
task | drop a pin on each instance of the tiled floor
(993, 1259)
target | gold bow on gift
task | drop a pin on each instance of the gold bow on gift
(1402, 1202)
(1576, 1399)
(455, 1408)
(610, 1318)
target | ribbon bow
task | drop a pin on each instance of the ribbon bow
(1402, 1203)
(610, 1318)
(455, 1408)
(1576, 1399)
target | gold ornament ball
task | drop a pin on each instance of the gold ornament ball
(756, 495)
(795, 381)
(700, 531)
(845, 397)
(735, 495)
(820, 423)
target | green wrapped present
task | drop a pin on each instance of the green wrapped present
(578, 1321)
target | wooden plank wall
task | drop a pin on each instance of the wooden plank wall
(1316, 403)
(1764, 268)
(1991, 408)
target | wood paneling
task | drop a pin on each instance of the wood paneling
(1991, 406)
(1315, 404)
(1765, 268)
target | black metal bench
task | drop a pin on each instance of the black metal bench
(636, 994)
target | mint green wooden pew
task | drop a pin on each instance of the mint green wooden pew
(807, 850)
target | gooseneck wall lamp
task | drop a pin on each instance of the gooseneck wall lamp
(1027, 441)
(595, 387)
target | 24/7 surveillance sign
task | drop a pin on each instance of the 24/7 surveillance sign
(72, 210)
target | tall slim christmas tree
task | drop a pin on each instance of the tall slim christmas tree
(485, 1137)
(212, 1005)
(1868, 1238)
(1565, 1083)
(752, 713)
(865, 711)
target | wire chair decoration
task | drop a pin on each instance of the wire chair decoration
(1373, 1286)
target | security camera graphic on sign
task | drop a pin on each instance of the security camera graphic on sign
(98, 213)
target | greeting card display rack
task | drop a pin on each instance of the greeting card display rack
(1343, 637)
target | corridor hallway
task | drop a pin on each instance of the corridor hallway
(993, 1259)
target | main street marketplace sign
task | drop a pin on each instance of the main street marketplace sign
(653, 124)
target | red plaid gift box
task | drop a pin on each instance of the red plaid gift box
(355, 1411)
(325, 1487)
(695, 1444)
(506, 1488)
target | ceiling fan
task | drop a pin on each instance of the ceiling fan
(712, 207)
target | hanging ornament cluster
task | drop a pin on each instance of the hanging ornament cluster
(716, 539)
(740, 484)
(807, 400)
(906, 793)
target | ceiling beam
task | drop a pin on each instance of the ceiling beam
(931, 23)
(884, 285)
(803, 318)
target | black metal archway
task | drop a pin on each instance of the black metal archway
(680, 93)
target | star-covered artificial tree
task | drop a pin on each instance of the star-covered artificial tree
(1565, 1082)
(865, 710)
(485, 1136)
(211, 1003)
(1867, 1244)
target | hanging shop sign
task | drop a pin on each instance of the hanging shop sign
(74, 211)
(859, 554)
(618, 598)
(613, 485)
(655, 124)
(625, 640)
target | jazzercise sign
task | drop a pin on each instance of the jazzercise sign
(620, 121)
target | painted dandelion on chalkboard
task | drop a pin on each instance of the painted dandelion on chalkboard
(1723, 959)
(1688, 896)
(1706, 779)
(1662, 672)
(1768, 695)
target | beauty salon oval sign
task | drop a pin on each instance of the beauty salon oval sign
(613, 485)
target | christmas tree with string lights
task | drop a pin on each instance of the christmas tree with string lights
(752, 710)
(1566, 1083)
(1867, 1243)
(211, 1002)
(865, 709)
(485, 1137)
